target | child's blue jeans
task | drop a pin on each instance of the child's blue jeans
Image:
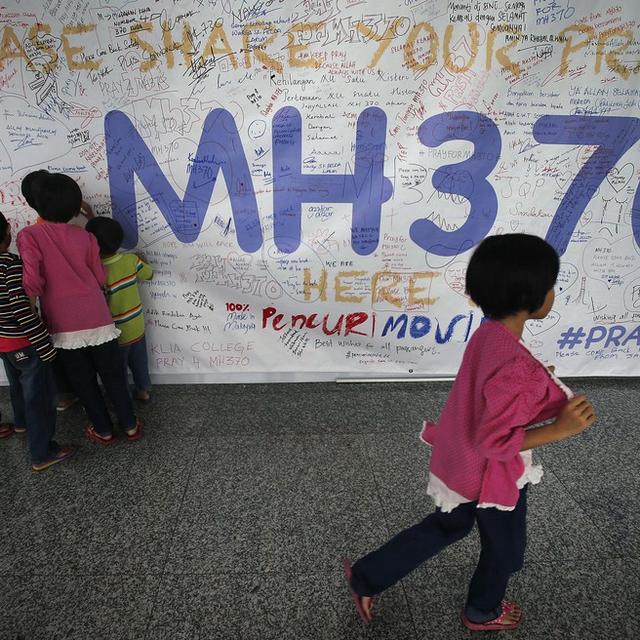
(502, 537)
(82, 367)
(33, 398)
(134, 357)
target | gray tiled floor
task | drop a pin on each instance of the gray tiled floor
(229, 520)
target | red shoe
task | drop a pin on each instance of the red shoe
(135, 433)
(6, 430)
(62, 455)
(92, 434)
(497, 624)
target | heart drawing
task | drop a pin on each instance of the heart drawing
(620, 178)
(536, 327)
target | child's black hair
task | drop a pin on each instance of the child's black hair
(108, 232)
(511, 273)
(4, 225)
(59, 198)
(31, 185)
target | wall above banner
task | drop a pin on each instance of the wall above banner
(309, 179)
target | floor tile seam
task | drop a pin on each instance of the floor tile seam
(637, 568)
(302, 435)
(405, 594)
(574, 561)
(528, 563)
(582, 509)
(388, 530)
(242, 572)
(161, 574)
(38, 575)
(265, 387)
(190, 471)
(372, 472)
(306, 433)
(171, 536)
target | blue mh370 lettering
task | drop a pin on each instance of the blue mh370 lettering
(366, 188)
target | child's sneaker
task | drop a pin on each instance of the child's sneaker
(64, 454)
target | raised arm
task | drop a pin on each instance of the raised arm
(577, 415)
(144, 271)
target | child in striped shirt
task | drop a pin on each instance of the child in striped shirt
(124, 270)
(27, 353)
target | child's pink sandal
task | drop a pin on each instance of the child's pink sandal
(497, 624)
(6, 430)
(357, 599)
(62, 455)
(92, 434)
(135, 433)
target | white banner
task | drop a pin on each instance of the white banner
(308, 178)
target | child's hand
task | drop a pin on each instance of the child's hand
(86, 210)
(576, 416)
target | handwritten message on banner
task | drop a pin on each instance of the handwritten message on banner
(308, 178)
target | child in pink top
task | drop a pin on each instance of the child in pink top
(481, 458)
(62, 267)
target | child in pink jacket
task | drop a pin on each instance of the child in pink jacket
(481, 460)
(63, 269)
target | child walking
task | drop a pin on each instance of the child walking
(27, 353)
(62, 268)
(481, 460)
(124, 270)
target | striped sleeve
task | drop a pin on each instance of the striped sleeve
(27, 319)
(143, 270)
